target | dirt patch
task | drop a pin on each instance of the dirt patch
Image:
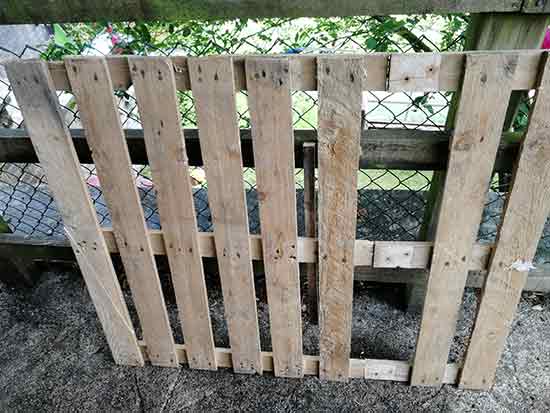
(54, 357)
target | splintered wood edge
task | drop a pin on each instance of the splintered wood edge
(372, 369)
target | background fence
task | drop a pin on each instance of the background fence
(392, 203)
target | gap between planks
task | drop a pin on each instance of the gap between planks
(371, 369)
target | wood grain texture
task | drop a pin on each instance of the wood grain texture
(60, 250)
(419, 72)
(213, 85)
(33, 88)
(525, 215)
(303, 70)
(93, 91)
(155, 87)
(402, 254)
(310, 230)
(340, 98)
(270, 106)
(403, 149)
(372, 369)
(485, 95)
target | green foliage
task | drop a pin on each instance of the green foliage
(198, 37)
(71, 39)
(522, 117)
(244, 36)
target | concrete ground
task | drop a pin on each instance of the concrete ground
(54, 358)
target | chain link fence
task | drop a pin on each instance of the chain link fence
(391, 204)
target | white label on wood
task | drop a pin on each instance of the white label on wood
(213, 85)
(93, 91)
(340, 91)
(155, 86)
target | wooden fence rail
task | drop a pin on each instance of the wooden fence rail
(34, 11)
(451, 262)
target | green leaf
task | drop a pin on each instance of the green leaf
(59, 35)
(372, 43)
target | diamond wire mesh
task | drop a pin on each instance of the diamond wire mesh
(391, 203)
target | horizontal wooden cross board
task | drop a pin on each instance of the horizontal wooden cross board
(411, 72)
(403, 149)
(454, 260)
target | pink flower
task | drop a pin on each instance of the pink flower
(115, 39)
(546, 41)
(93, 180)
(143, 183)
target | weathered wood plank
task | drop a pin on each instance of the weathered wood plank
(486, 31)
(526, 211)
(302, 67)
(380, 148)
(421, 72)
(303, 70)
(56, 249)
(372, 369)
(213, 85)
(93, 91)
(340, 98)
(401, 254)
(411, 72)
(270, 106)
(33, 11)
(484, 99)
(155, 87)
(310, 229)
(36, 96)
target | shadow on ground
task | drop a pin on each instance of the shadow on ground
(54, 358)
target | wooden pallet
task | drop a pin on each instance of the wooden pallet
(485, 79)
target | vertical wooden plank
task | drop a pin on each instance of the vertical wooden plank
(485, 94)
(155, 86)
(93, 90)
(213, 86)
(525, 215)
(310, 227)
(270, 105)
(35, 93)
(340, 95)
(486, 31)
